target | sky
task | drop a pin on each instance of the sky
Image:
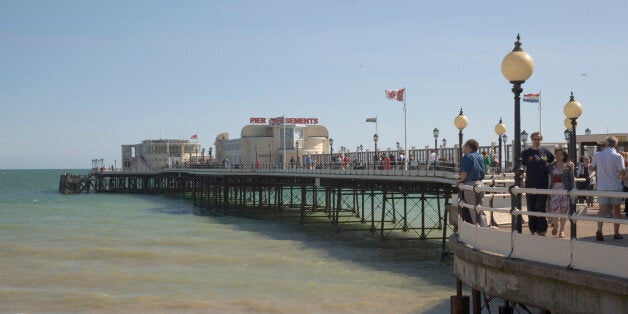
(78, 79)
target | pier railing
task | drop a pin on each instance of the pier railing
(571, 253)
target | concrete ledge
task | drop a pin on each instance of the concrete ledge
(549, 287)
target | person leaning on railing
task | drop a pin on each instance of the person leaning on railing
(472, 173)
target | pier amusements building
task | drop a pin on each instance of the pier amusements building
(273, 142)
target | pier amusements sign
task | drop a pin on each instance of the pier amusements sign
(281, 120)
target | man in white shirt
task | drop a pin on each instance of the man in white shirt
(610, 169)
(431, 161)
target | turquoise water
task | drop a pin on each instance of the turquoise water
(104, 253)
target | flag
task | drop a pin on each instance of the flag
(395, 94)
(531, 97)
(275, 121)
(371, 120)
(194, 137)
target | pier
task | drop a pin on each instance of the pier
(411, 202)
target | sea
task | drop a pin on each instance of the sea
(121, 253)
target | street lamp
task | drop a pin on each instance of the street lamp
(298, 143)
(460, 122)
(500, 129)
(567, 135)
(587, 131)
(505, 141)
(444, 143)
(572, 110)
(375, 139)
(524, 138)
(331, 150)
(517, 67)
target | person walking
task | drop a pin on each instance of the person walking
(535, 160)
(560, 178)
(610, 169)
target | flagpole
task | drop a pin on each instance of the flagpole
(540, 111)
(405, 133)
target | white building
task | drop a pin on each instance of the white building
(160, 154)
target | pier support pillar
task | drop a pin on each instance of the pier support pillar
(459, 303)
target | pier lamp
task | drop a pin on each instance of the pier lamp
(444, 143)
(524, 138)
(572, 110)
(500, 129)
(331, 150)
(567, 135)
(435, 132)
(587, 131)
(505, 141)
(375, 139)
(297, 144)
(460, 122)
(517, 66)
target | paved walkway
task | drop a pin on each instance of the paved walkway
(586, 229)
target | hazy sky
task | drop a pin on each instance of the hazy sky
(80, 78)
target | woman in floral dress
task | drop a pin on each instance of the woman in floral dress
(561, 177)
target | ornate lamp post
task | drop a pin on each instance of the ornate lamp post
(524, 138)
(505, 141)
(298, 143)
(517, 67)
(567, 133)
(375, 139)
(500, 129)
(435, 133)
(460, 122)
(572, 110)
(444, 143)
(587, 131)
(331, 151)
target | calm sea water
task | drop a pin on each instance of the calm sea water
(103, 253)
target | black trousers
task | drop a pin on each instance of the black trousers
(536, 203)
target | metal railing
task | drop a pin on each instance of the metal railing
(594, 256)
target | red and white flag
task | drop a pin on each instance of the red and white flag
(194, 137)
(396, 94)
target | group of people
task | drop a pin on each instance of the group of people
(552, 170)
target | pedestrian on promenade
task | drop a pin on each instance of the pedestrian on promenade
(560, 178)
(625, 182)
(589, 177)
(487, 162)
(535, 160)
(610, 169)
(472, 173)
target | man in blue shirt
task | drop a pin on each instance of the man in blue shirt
(472, 173)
